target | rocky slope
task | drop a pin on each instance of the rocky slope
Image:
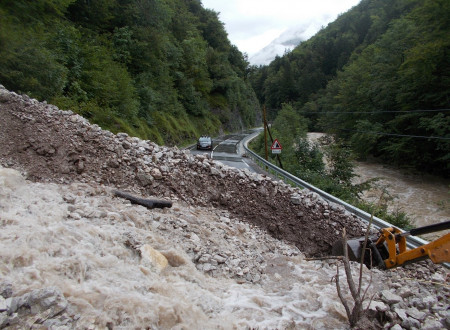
(58, 146)
(230, 253)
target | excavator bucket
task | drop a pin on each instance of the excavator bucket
(354, 247)
(373, 256)
(388, 249)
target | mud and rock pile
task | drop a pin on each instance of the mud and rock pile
(52, 145)
(229, 254)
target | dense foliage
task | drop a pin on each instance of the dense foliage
(378, 78)
(159, 69)
(327, 164)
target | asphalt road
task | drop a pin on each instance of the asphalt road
(229, 150)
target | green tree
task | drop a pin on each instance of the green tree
(309, 160)
(161, 69)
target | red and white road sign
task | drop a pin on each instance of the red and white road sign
(276, 147)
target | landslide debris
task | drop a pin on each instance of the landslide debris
(208, 249)
(51, 145)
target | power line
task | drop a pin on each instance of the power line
(372, 112)
(397, 135)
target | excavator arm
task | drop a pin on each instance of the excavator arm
(389, 250)
(393, 240)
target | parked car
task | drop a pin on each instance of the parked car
(205, 143)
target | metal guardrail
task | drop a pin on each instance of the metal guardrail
(412, 241)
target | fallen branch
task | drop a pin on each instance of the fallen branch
(148, 203)
(325, 258)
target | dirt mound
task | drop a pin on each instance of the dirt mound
(51, 145)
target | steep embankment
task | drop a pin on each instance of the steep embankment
(74, 256)
(58, 146)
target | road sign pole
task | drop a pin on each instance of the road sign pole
(276, 149)
(265, 134)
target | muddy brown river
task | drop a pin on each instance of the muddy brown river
(424, 198)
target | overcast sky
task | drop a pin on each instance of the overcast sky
(253, 24)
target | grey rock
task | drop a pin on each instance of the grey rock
(262, 191)
(431, 324)
(410, 323)
(415, 313)
(429, 301)
(220, 259)
(377, 307)
(12, 319)
(208, 267)
(3, 306)
(389, 297)
(12, 304)
(437, 308)
(74, 215)
(113, 163)
(122, 135)
(447, 321)
(156, 173)
(417, 302)
(401, 304)
(436, 277)
(401, 313)
(296, 199)
(391, 316)
(205, 258)
(6, 289)
(3, 318)
(144, 178)
(48, 300)
(405, 292)
(444, 313)
(126, 144)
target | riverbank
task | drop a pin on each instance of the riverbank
(424, 198)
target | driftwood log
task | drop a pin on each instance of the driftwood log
(149, 203)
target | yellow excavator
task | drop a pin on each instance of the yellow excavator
(388, 249)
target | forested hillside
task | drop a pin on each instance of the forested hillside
(158, 69)
(378, 78)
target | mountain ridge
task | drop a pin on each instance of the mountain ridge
(285, 42)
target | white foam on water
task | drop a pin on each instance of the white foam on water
(45, 241)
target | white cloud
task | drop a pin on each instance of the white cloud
(253, 44)
(253, 24)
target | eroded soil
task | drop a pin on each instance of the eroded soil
(51, 145)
